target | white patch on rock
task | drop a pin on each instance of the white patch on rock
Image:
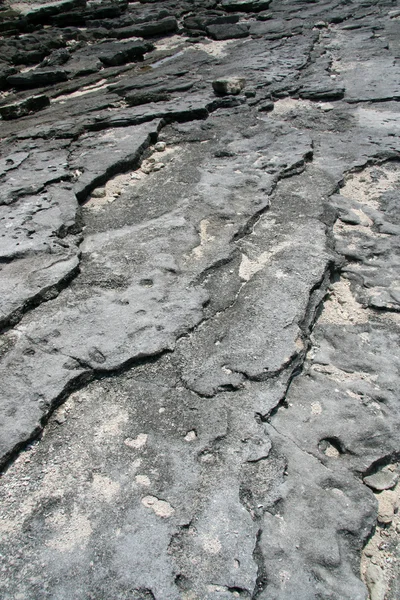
(138, 442)
(342, 307)
(212, 544)
(142, 480)
(70, 533)
(112, 427)
(105, 487)
(250, 266)
(205, 239)
(375, 580)
(160, 507)
(316, 408)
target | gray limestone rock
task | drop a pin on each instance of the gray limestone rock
(205, 293)
(148, 29)
(37, 78)
(112, 54)
(384, 479)
(25, 107)
(227, 31)
(28, 169)
(229, 86)
(97, 157)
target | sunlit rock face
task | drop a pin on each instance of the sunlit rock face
(200, 296)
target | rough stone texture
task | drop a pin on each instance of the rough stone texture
(112, 54)
(230, 86)
(228, 31)
(37, 78)
(199, 273)
(25, 107)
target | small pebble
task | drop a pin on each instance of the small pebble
(99, 193)
(160, 146)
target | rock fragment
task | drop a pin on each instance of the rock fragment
(138, 98)
(149, 29)
(376, 582)
(24, 107)
(160, 146)
(230, 86)
(266, 106)
(37, 77)
(228, 31)
(113, 54)
(387, 507)
(385, 479)
(160, 507)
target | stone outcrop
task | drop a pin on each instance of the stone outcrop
(199, 359)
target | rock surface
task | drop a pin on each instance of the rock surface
(200, 290)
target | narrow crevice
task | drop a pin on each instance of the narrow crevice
(293, 441)
(293, 363)
(262, 578)
(208, 271)
(310, 59)
(306, 325)
(238, 591)
(122, 166)
(319, 290)
(248, 227)
(74, 385)
(316, 299)
(386, 156)
(384, 309)
(45, 295)
(282, 402)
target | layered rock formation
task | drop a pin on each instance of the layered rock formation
(200, 300)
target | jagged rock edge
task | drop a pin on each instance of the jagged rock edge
(87, 376)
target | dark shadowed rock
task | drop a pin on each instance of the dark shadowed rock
(118, 53)
(5, 71)
(56, 58)
(266, 106)
(228, 31)
(41, 13)
(322, 91)
(202, 21)
(150, 29)
(37, 78)
(25, 107)
(135, 99)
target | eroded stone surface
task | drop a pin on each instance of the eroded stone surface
(200, 300)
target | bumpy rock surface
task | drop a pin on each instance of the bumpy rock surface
(200, 283)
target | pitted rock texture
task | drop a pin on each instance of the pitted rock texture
(200, 300)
